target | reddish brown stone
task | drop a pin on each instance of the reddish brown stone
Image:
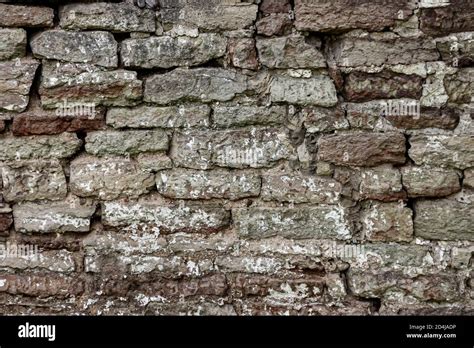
(214, 285)
(343, 15)
(275, 6)
(26, 16)
(428, 118)
(362, 149)
(44, 285)
(362, 87)
(2, 126)
(455, 18)
(33, 125)
(260, 285)
(243, 54)
(275, 24)
(6, 221)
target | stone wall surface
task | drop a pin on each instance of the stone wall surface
(237, 157)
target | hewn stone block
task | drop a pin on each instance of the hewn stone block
(444, 219)
(26, 16)
(442, 150)
(455, 18)
(323, 119)
(253, 148)
(321, 222)
(362, 149)
(298, 188)
(460, 86)
(93, 47)
(227, 116)
(16, 78)
(115, 17)
(40, 146)
(342, 15)
(12, 43)
(209, 15)
(131, 142)
(317, 90)
(182, 116)
(71, 215)
(33, 180)
(275, 24)
(362, 87)
(242, 53)
(167, 51)
(289, 52)
(382, 183)
(163, 218)
(84, 83)
(387, 222)
(193, 184)
(430, 182)
(379, 50)
(201, 84)
(48, 260)
(109, 178)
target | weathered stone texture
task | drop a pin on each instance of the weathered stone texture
(108, 178)
(72, 215)
(26, 16)
(323, 221)
(363, 149)
(200, 219)
(457, 17)
(193, 184)
(430, 182)
(387, 222)
(460, 86)
(94, 47)
(289, 52)
(342, 15)
(167, 52)
(84, 83)
(33, 180)
(126, 142)
(209, 15)
(445, 219)
(39, 147)
(182, 116)
(442, 150)
(16, 78)
(227, 116)
(12, 43)
(201, 84)
(115, 17)
(254, 148)
(317, 90)
(362, 87)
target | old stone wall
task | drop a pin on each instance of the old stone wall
(237, 157)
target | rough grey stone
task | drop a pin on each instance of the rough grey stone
(93, 47)
(115, 17)
(455, 151)
(317, 90)
(430, 182)
(109, 178)
(201, 84)
(227, 116)
(193, 184)
(130, 142)
(12, 43)
(71, 215)
(322, 221)
(39, 146)
(167, 51)
(16, 78)
(182, 116)
(33, 180)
